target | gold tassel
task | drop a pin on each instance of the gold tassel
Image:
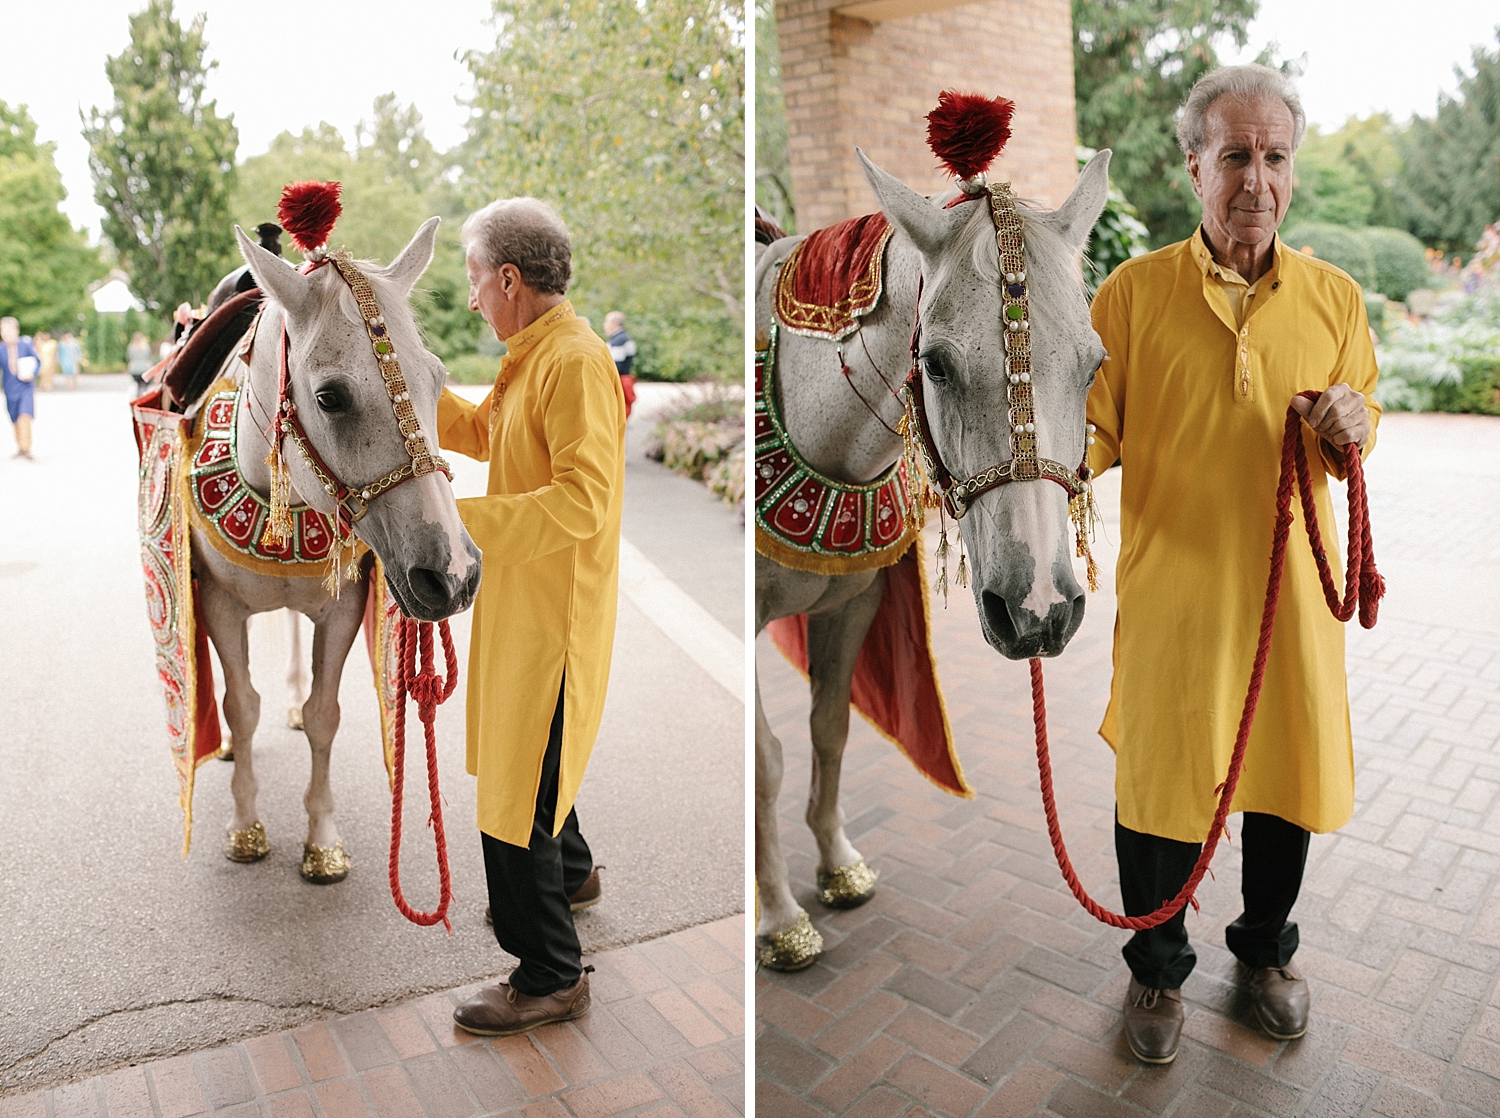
(942, 557)
(278, 531)
(1085, 517)
(963, 562)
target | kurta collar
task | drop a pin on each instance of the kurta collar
(1216, 276)
(1204, 257)
(517, 346)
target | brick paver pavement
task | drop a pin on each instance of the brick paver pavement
(973, 984)
(665, 1038)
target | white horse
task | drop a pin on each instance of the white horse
(431, 565)
(1017, 536)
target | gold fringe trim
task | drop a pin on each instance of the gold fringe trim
(776, 551)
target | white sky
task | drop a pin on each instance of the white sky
(53, 62)
(1372, 56)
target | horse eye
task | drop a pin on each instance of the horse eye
(329, 401)
(936, 364)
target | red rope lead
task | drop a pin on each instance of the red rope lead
(1363, 585)
(429, 690)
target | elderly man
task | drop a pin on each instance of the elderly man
(1208, 341)
(553, 431)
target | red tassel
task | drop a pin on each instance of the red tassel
(308, 211)
(968, 130)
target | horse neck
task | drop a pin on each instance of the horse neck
(845, 427)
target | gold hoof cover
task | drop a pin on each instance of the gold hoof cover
(249, 845)
(846, 886)
(325, 865)
(797, 947)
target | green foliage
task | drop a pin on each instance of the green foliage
(163, 162)
(1448, 363)
(1339, 245)
(773, 166)
(1117, 236)
(45, 264)
(1450, 185)
(629, 119)
(473, 368)
(103, 340)
(1134, 62)
(684, 344)
(703, 436)
(1349, 177)
(1400, 262)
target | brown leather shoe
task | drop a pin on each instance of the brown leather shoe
(1153, 1023)
(587, 896)
(500, 1010)
(1280, 998)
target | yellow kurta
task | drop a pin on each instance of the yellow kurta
(1193, 405)
(549, 529)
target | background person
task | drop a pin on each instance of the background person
(553, 431)
(138, 360)
(46, 351)
(1208, 341)
(69, 358)
(19, 365)
(622, 352)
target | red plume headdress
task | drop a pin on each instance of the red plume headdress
(308, 211)
(967, 131)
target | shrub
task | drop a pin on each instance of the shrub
(473, 368)
(726, 477)
(1339, 245)
(703, 436)
(1448, 363)
(1400, 261)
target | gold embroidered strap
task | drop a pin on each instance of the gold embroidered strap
(1016, 315)
(423, 461)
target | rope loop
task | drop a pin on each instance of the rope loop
(1363, 588)
(414, 639)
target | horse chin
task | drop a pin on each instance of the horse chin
(1019, 634)
(425, 595)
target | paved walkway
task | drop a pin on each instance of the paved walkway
(973, 984)
(665, 1038)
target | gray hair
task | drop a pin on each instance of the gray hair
(1249, 80)
(524, 232)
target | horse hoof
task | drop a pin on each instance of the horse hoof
(797, 947)
(249, 845)
(846, 886)
(324, 865)
(294, 718)
(226, 751)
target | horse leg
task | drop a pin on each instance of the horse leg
(226, 620)
(784, 937)
(323, 859)
(296, 674)
(833, 642)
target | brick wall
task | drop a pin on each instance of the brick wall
(849, 82)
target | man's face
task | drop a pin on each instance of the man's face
(1243, 175)
(10, 333)
(494, 293)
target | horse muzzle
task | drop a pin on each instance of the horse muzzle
(1017, 633)
(432, 593)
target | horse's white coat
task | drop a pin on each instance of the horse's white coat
(431, 565)
(1017, 536)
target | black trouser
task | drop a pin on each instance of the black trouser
(530, 885)
(1153, 869)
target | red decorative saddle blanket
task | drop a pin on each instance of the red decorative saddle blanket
(833, 277)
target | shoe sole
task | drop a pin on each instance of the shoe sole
(1261, 1021)
(524, 1029)
(1157, 1060)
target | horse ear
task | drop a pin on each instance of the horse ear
(1074, 219)
(278, 278)
(407, 268)
(927, 226)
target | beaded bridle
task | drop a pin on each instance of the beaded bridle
(956, 497)
(351, 502)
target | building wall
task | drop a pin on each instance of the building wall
(852, 83)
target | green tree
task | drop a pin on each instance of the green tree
(45, 264)
(163, 162)
(1134, 62)
(1450, 186)
(1348, 177)
(773, 166)
(630, 119)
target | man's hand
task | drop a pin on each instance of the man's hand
(1339, 416)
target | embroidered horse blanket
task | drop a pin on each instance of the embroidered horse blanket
(833, 277)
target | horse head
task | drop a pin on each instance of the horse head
(431, 565)
(1017, 535)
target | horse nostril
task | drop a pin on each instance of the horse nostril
(428, 587)
(997, 613)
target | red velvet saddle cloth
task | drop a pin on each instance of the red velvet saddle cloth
(833, 277)
(895, 677)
